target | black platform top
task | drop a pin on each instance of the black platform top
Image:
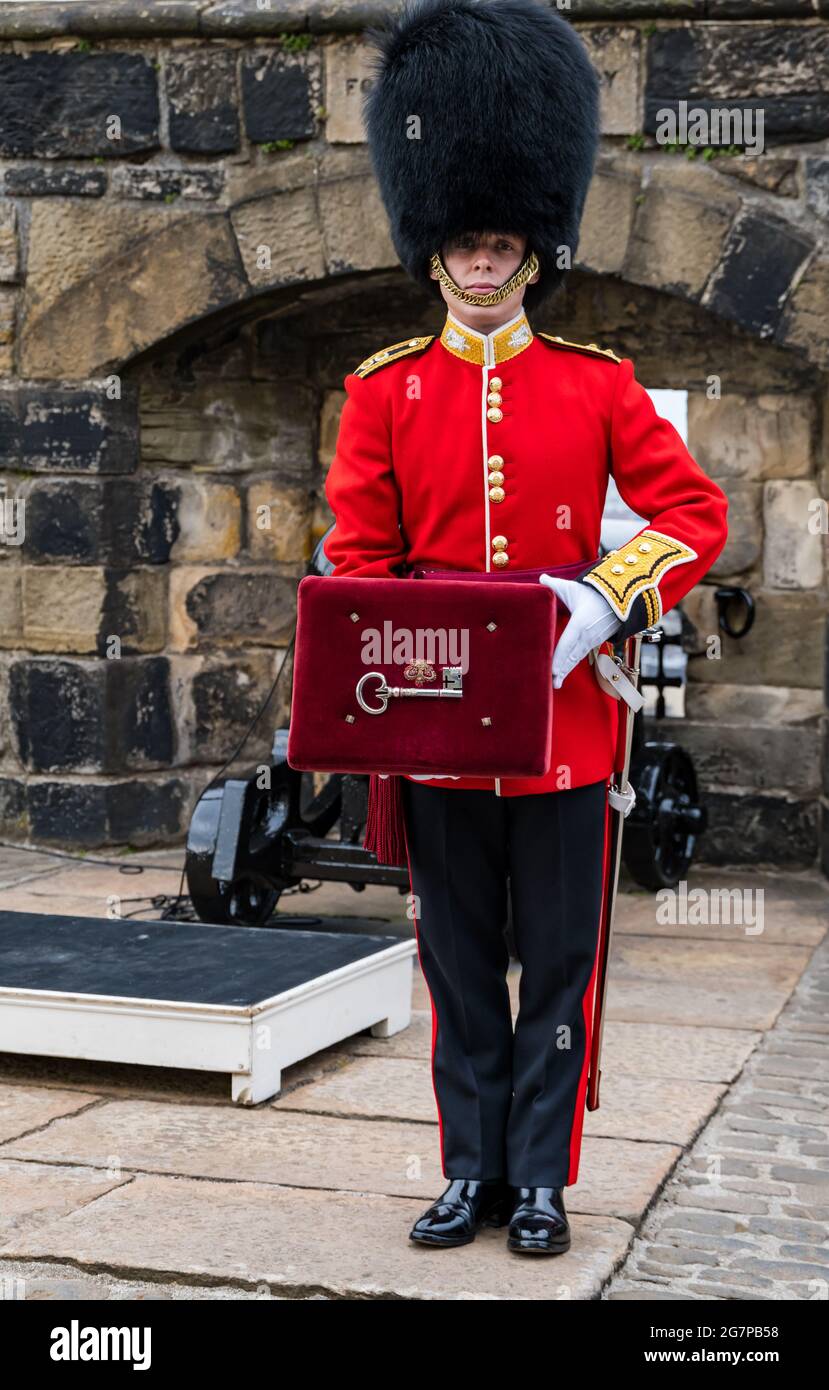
(189, 962)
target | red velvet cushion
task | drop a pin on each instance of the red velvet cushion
(508, 677)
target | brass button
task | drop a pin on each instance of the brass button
(495, 461)
(630, 559)
(497, 494)
(502, 558)
(617, 569)
(499, 542)
(494, 414)
(496, 478)
(494, 398)
(644, 546)
(495, 383)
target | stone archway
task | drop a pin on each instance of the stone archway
(134, 278)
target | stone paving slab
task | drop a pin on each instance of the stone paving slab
(301, 1243)
(794, 908)
(24, 1108)
(33, 1193)
(316, 1151)
(649, 1108)
(246, 1145)
(44, 1281)
(20, 866)
(641, 1049)
(702, 983)
(85, 890)
(741, 983)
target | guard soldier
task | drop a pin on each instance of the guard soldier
(488, 447)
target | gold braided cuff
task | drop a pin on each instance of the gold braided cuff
(636, 568)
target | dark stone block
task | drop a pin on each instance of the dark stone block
(138, 714)
(126, 522)
(142, 812)
(276, 97)
(202, 100)
(56, 711)
(225, 708)
(154, 183)
(739, 66)
(14, 818)
(205, 132)
(243, 607)
(104, 716)
(751, 9)
(759, 830)
(817, 187)
(59, 104)
(804, 117)
(140, 522)
(124, 614)
(761, 257)
(71, 430)
(39, 181)
(9, 429)
(638, 9)
(64, 520)
(69, 815)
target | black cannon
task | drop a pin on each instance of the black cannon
(248, 842)
(257, 833)
(667, 818)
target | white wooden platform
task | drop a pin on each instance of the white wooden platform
(248, 1001)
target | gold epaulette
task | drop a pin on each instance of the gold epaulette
(590, 348)
(392, 354)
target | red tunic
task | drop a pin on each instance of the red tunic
(456, 450)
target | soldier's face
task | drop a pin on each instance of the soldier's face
(479, 263)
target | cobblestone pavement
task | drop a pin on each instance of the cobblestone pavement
(745, 1215)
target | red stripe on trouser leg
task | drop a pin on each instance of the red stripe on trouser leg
(434, 1015)
(587, 1014)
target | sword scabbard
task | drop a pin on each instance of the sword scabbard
(612, 863)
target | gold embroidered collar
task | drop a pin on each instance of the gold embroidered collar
(487, 349)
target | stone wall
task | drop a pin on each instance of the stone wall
(193, 254)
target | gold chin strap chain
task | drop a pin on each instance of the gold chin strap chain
(521, 276)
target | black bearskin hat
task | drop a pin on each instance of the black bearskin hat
(506, 101)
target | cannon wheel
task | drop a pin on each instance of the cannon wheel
(661, 831)
(250, 899)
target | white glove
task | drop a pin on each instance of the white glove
(592, 621)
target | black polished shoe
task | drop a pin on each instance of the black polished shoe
(459, 1211)
(539, 1222)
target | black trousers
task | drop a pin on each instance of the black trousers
(510, 1103)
